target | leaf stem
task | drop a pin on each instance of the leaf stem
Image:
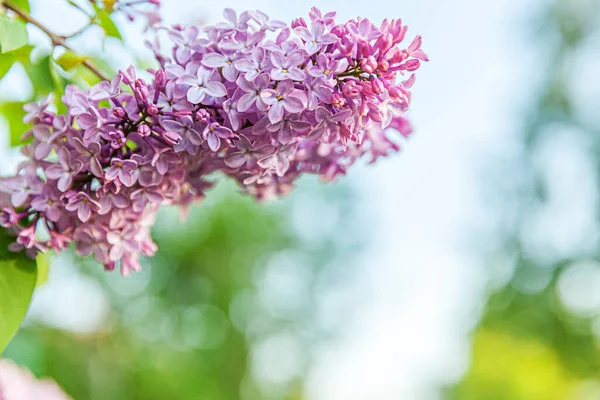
(56, 39)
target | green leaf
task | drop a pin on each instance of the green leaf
(43, 264)
(40, 76)
(9, 59)
(13, 113)
(106, 23)
(69, 60)
(6, 63)
(21, 4)
(84, 76)
(18, 276)
(13, 34)
(60, 84)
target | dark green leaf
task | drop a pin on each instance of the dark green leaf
(106, 23)
(13, 34)
(18, 277)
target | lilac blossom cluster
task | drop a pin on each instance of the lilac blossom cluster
(257, 100)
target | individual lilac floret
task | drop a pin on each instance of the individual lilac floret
(201, 85)
(316, 38)
(283, 98)
(251, 99)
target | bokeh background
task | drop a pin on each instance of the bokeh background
(466, 267)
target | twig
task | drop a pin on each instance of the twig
(56, 39)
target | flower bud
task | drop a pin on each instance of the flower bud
(398, 94)
(172, 138)
(139, 83)
(384, 42)
(412, 65)
(27, 236)
(338, 100)
(160, 79)
(369, 64)
(377, 86)
(299, 22)
(119, 112)
(338, 31)
(202, 115)
(152, 109)
(141, 94)
(351, 89)
(383, 66)
(8, 218)
(144, 130)
(58, 241)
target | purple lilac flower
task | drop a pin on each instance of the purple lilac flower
(286, 66)
(48, 202)
(285, 97)
(186, 128)
(201, 85)
(255, 65)
(83, 205)
(263, 110)
(64, 170)
(253, 90)
(124, 170)
(224, 61)
(106, 90)
(214, 133)
(246, 152)
(316, 37)
(327, 122)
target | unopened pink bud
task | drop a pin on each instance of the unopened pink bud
(171, 137)
(152, 109)
(338, 100)
(412, 65)
(202, 115)
(384, 42)
(398, 94)
(144, 130)
(377, 86)
(299, 22)
(338, 31)
(141, 94)
(351, 89)
(369, 64)
(383, 66)
(139, 83)
(160, 79)
(119, 112)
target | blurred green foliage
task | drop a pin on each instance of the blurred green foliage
(190, 325)
(189, 332)
(528, 345)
